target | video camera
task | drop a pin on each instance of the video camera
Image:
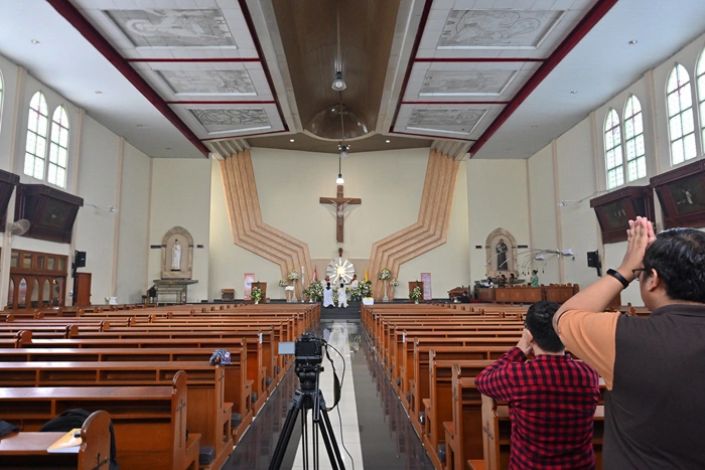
(308, 355)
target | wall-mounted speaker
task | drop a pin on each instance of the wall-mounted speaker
(593, 259)
(79, 259)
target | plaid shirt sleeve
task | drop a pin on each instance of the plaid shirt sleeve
(499, 379)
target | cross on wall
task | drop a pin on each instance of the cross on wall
(340, 202)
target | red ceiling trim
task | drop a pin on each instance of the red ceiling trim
(478, 59)
(258, 47)
(222, 102)
(73, 16)
(595, 14)
(194, 59)
(452, 102)
(414, 50)
(428, 136)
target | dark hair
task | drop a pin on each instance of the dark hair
(678, 256)
(539, 321)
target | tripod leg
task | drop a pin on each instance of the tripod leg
(285, 436)
(304, 437)
(331, 444)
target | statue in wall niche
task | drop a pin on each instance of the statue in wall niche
(501, 250)
(176, 256)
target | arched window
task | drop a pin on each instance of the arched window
(634, 150)
(681, 126)
(37, 129)
(613, 150)
(58, 148)
(700, 81)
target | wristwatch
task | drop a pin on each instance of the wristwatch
(615, 274)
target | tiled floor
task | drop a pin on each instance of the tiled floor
(375, 429)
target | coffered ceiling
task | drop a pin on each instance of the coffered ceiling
(190, 77)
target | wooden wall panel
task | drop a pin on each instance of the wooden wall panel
(431, 227)
(249, 230)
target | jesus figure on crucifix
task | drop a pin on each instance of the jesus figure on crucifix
(341, 203)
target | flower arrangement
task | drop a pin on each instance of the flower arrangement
(256, 294)
(314, 291)
(283, 283)
(293, 276)
(416, 294)
(364, 289)
(394, 283)
(384, 275)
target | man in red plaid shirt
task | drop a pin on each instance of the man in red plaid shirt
(552, 397)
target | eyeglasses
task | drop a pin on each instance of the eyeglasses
(637, 272)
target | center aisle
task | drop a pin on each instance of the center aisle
(376, 430)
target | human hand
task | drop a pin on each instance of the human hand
(640, 235)
(525, 342)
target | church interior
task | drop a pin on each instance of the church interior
(210, 166)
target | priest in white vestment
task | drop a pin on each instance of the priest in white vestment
(342, 296)
(328, 296)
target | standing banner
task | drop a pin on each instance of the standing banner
(249, 279)
(426, 279)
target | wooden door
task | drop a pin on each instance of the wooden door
(83, 289)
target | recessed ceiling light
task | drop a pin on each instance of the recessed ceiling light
(292, 140)
(387, 141)
(633, 42)
(34, 41)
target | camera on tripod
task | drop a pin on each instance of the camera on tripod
(308, 355)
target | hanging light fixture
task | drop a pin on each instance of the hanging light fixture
(338, 82)
(342, 152)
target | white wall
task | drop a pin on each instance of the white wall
(101, 163)
(576, 162)
(543, 213)
(497, 198)
(133, 235)
(180, 196)
(289, 184)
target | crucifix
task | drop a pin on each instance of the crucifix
(340, 203)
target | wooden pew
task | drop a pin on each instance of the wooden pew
(149, 424)
(438, 407)
(261, 364)
(29, 449)
(237, 387)
(496, 429)
(208, 413)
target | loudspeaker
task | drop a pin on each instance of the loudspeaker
(79, 259)
(593, 259)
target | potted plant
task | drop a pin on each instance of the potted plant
(416, 294)
(256, 294)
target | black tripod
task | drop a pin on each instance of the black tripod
(308, 398)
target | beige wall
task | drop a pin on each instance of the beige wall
(180, 196)
(497, 198)
(289, 185)
(101, 164)
(575, 162)
(133, 235)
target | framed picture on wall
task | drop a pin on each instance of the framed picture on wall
(614, 210)
(681, 193)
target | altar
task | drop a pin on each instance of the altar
(173, 290)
